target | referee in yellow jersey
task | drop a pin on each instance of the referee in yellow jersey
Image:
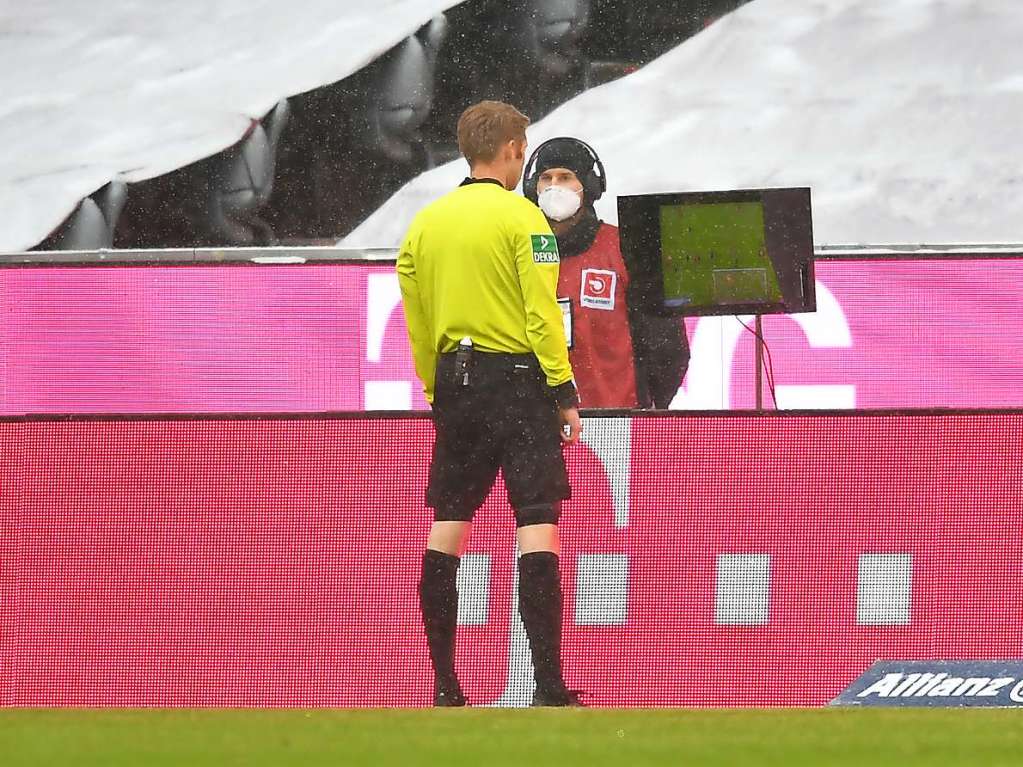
(478, 271)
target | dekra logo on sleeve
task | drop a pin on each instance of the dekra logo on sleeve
(545, 249)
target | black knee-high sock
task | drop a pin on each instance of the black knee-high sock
(540, 604)
(438, 600)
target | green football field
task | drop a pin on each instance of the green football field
(484, 737)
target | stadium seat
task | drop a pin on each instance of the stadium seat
(91, 225)
(240, 181)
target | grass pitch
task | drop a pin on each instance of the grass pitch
(524, 738)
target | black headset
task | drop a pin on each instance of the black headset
(594, 185)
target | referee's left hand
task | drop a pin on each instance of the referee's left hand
(570, 419)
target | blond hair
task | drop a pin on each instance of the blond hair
(485, 126)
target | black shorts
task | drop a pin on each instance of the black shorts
(505, 419)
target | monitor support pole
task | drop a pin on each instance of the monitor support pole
(758, 362)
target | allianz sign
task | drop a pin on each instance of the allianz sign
(937, 683)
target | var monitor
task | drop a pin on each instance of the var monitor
(739, 252)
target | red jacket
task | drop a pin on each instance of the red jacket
(600, 347)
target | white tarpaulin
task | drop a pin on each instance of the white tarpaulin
(902, 115)
(90, 92)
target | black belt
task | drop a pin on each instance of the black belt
(564, 395)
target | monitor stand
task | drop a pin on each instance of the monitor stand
(758, 361)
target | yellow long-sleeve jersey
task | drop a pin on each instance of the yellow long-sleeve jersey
(482, 262)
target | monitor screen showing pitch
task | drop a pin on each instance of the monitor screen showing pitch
(716, 254)
(746, 251)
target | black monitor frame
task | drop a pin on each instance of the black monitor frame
(788, 233)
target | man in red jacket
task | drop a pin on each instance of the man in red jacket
(621, 357)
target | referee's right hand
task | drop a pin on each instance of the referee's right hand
(571, 425)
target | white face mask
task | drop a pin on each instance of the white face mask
(559, 202)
